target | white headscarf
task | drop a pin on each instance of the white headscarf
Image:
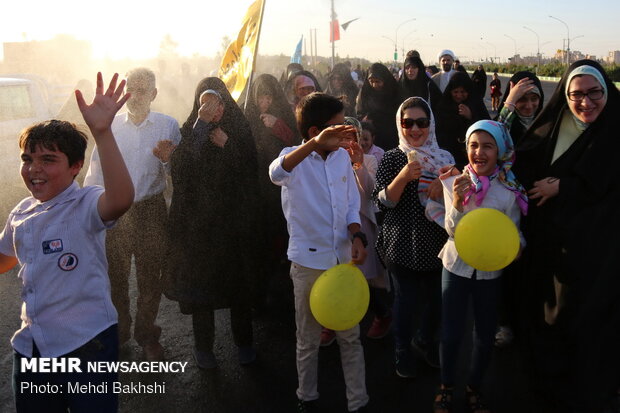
(431, 156)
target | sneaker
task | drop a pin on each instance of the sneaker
(247, 355)
(429, 351)
(504, 336)
(380, 327)
(405, 366)
(304, 406)
(204, 359)
(327, 337)
(153, 352)
(363, 409)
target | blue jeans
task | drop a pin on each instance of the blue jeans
(409, 287)
(103, 347)
(456, 291)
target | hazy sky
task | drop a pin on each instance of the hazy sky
(471, 28)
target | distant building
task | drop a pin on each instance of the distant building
(613, 57)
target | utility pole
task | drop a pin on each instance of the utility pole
(537, 48)
(567, 39)
(331, 27)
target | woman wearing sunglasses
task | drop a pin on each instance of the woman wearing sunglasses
(567, 161)
(408, 242)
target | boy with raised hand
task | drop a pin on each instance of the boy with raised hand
(58, 237)
(321, 204)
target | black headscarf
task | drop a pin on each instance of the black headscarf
(290, 69)
(266, 84)
(421, 86)
(574, 236)
(380, 106)
(233, 120)
(349, 88)
(451, 126)
(517, 130)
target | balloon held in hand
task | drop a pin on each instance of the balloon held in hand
(339, 297)
(487, 239)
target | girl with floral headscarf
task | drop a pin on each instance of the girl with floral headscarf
(487, 182)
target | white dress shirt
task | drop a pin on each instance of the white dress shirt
(136, 143)
(497, 197)
(60, 245)
(320, 200)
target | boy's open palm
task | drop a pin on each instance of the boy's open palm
(333, 137)
(100, 113)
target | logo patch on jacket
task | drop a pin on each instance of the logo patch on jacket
(68, 261)
(52, 246)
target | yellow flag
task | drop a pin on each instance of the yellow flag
(238, 61)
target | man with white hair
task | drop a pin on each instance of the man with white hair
(446, 60)
(141, 231)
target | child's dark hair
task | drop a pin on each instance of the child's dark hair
(316, 109)
(55, 135)
(416, 103)
(369, 127)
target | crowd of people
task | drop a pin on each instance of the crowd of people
(377, 170)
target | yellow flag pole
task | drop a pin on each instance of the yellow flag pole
(249, 84)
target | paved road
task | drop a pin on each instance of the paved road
(269, 385)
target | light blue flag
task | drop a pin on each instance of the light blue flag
(296, 57)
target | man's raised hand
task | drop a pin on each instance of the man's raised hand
(100, 113)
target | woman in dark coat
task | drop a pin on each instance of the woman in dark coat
(378, 102)
(571, 284)
(522, 102)
(274, 128)
(460, 107)
(415, 82)
(211, 231)
(479, 77)
(341, 84)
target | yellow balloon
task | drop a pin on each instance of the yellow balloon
(339, 297)
(487, 239)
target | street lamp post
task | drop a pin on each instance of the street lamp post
(567, 39)
(537, 47)
(394, 43)
(396, 40)
(515, 42)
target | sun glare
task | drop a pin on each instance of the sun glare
(126, 29)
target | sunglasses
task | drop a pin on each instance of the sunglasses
(422, 123)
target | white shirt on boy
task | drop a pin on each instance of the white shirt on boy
(320, 200)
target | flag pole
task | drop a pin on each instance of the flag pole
(249, 84)
(333, 34)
